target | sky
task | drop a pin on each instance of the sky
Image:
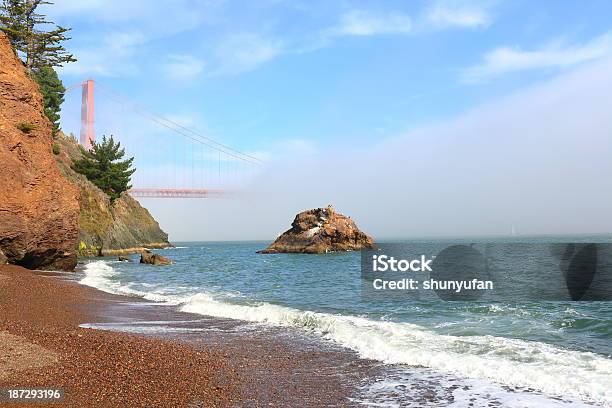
(420, 118)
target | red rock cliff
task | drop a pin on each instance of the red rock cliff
(38, 207)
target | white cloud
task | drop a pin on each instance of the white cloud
(537, 159)
(111, 57)
(244, 52)
(362, 23)
(448, 14)
(111, 33)
(443, 14)
(78, 7)
(176, 14)
(234, 49)
(510, 59)
(295, 147)
(182, 67)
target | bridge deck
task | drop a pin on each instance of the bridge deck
(175, 193)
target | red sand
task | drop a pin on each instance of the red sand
(110, 369)
(100, 368)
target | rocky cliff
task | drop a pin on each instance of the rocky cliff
(48, 213)
(38, 208)
(107, 228)
(318, 231)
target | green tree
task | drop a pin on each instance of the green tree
(37, 47)
(103, 166)
(53, 91)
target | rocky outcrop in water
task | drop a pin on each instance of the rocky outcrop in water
(154, 259)
(38, 207)
(318, 231)
(106, 228)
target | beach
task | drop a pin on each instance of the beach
(224, 327)
(43, 346)
(286, 324)
(271, 204)
(96, 367)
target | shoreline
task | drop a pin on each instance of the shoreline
(110, 252)
(205, 362)
(107, 349)
(96, 367)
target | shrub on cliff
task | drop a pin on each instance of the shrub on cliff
(26, 127)
(103, 166)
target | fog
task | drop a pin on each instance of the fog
(539, 159)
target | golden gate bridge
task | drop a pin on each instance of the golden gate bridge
(191, 165)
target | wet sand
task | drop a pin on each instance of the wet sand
(155, 356)
(106, 350)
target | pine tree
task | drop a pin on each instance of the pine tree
(38, 48)
(12, 22)
(103, 166)
(52, 90)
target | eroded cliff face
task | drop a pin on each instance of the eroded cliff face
(107, 228)
(38, 207)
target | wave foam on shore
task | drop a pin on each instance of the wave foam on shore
(518, 363)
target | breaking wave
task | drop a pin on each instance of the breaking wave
(551, 369)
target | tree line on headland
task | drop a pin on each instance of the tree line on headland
(41, 51)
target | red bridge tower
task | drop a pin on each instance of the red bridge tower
(88, 134)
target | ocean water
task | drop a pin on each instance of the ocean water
(514, 354)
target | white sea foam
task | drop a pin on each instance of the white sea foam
(449, 391)
(100, 275)
(513, 362)
(508, 361)
(144, 328)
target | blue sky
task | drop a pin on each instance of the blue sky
(327, 91)
(256, 74)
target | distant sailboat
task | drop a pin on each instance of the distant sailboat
(513, 231)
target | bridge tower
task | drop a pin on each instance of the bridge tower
(88, 134)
